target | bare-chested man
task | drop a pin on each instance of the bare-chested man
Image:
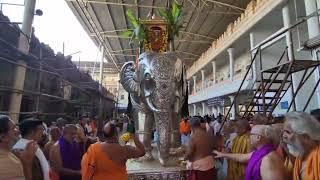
(264, 163)
(199, 153)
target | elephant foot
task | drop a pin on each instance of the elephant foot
(176, 151)
(163, 160)
(147, 157)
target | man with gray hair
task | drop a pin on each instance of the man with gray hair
(263, 163)
(301, 133)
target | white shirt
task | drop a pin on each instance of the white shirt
(22, 143)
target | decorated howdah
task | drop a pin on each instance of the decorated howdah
(157, 33)
(156, 82)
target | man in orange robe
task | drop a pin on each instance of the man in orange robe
(107, 160)
(302, 136)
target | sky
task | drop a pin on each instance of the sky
(56, 26)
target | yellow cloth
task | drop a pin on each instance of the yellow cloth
(312, 166)
(288, 166)
(10, 167)
(241, 145)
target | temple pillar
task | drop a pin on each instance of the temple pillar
(194, 83)
(231, 63)
(202, 80)
(214, 69)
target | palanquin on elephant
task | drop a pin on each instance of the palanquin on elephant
(157, 85)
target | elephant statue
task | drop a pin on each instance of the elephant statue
(157, 85)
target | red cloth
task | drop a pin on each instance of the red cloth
(202, 175)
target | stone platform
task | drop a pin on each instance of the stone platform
(153, 170)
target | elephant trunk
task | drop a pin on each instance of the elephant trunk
(163, 124)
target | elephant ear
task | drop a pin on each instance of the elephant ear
(128, 78)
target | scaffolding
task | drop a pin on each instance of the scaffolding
(52, 81)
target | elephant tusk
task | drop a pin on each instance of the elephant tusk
(150, 105)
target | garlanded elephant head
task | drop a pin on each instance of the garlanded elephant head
(158, 81)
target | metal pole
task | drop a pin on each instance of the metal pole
(23, 45)
(39, 80)
(100, 124)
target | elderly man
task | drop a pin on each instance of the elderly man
(65, 155)
(32, 130)
(263, 163)
(199, 153)
(301, 133)
(16, 166)
(240, 145)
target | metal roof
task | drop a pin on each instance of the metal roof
(204, 21)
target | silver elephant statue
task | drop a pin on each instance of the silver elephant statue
(158, 89)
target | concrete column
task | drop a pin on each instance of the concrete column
(313, 22)
(20, 70)
(202, 80)
(313, 30)
(254, 64)
(194, 83)
(214, 70)
(203, 108)
(215, 111)
(194, 109)
(234, 108)
(231, 62)
(100, 122)
(286, 24)
(219, 110)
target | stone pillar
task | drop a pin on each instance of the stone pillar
(313, 22)
(215, 111)
(313, 30)
(214, 71)
(203, 108)
(220, 109)
(286, 24)
(202, 80)
(194, 83)
(234, 108)
(194, 109)
(100, 122)
(231, 63)
(20, 70)
(254, 64)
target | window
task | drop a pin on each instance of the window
(122, 97)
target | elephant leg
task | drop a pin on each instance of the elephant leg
(145, 125)
(175, 134)
(163, 127)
